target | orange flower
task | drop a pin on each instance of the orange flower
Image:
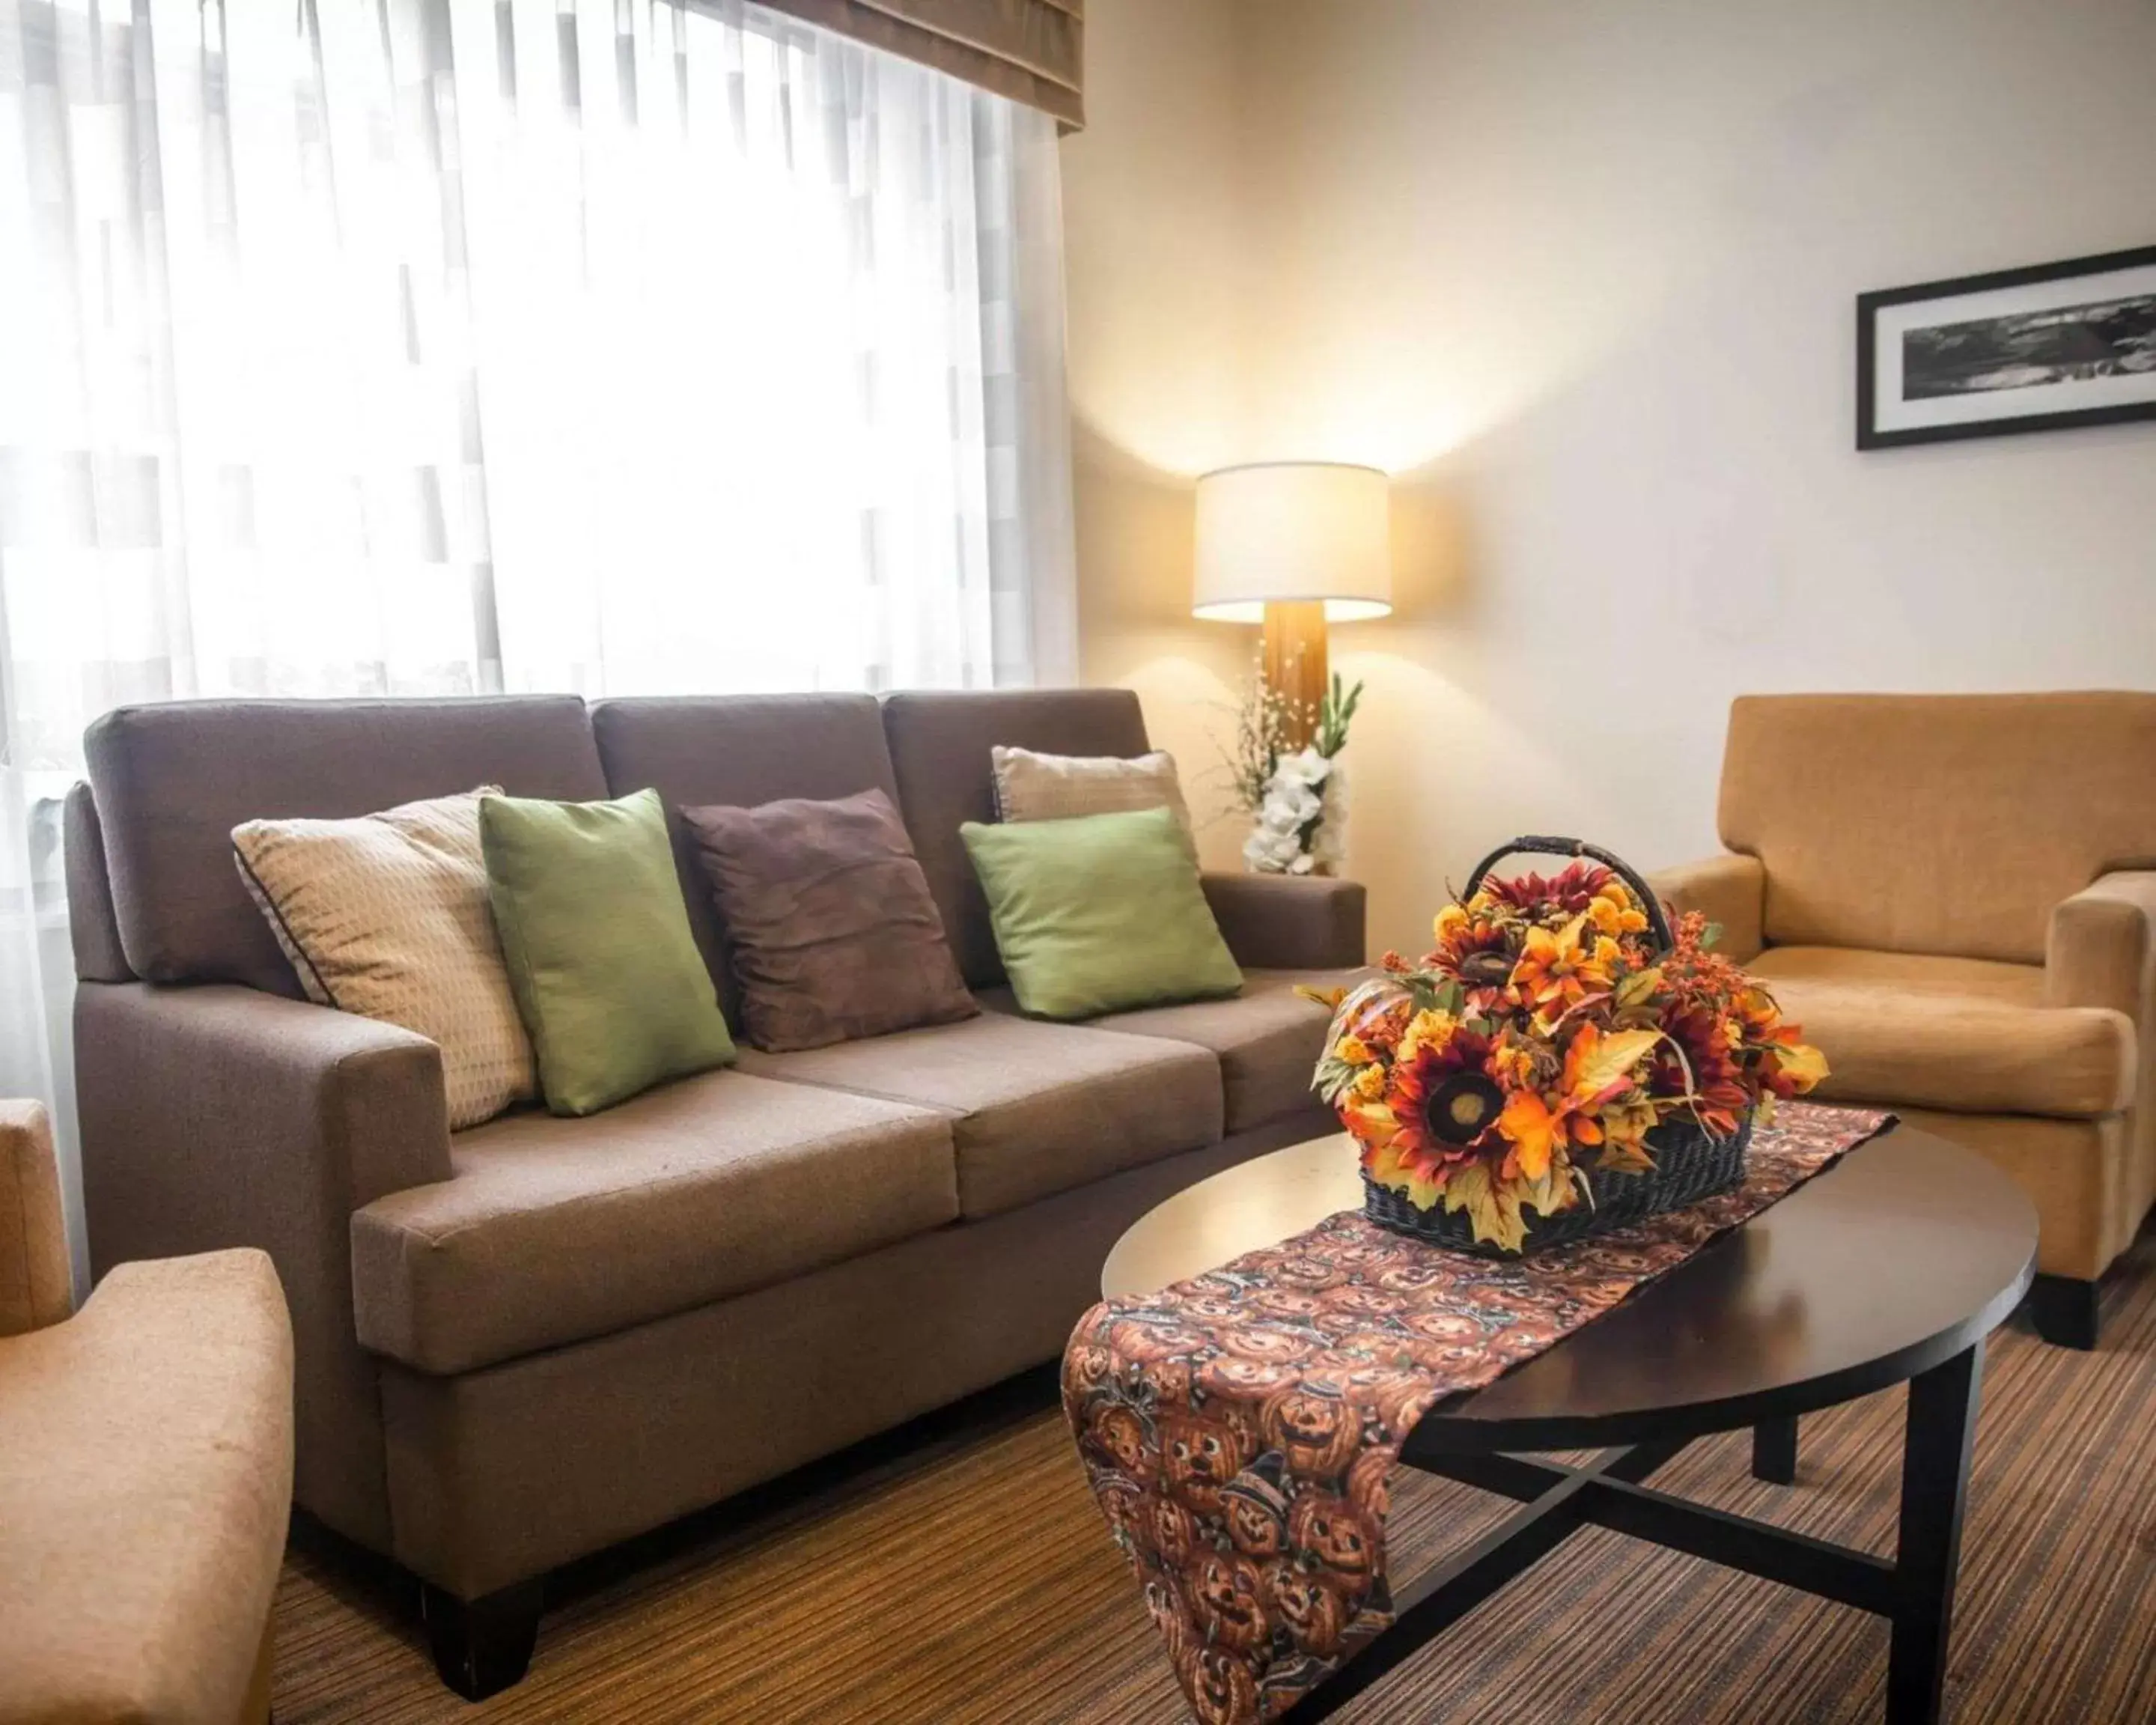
(1790, 1067)
(1557, 971)
(1599, 1069)
(1613, 911)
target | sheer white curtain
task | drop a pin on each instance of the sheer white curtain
(425, 346)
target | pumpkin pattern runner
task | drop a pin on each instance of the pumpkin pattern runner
(1238, 1428)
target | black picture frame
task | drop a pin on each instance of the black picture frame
(1870, 436)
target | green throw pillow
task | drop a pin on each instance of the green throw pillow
(606, 976)
(1100, 913)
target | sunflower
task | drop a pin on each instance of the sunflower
(1471, 944)
(1440, 1102)
(1571, 890)
(1701, 1059)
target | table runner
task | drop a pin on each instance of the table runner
(1238, 1428)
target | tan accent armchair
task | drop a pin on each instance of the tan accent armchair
(145, 1470)
(1956, 896)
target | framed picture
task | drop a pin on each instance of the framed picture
(2020, 350)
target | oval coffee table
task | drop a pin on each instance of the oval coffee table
(1893, 1265)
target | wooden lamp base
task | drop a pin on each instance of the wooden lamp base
(1295, 662)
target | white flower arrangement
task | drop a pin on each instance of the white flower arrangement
(1294, 803)
(1297, 796)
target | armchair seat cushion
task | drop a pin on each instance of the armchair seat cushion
(1968, 1034)
(1267, 1038)
(146, 1475)
(550, 1231)
(1034, 1108)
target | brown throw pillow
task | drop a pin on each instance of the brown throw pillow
(830, 928)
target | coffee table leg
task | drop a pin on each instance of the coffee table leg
(1935, 1457)
(1774, 1451)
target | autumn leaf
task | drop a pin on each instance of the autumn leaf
(1494, 1214)
(1803, 1062)
(1598, 1067)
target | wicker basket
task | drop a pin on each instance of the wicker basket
(1691, 1163)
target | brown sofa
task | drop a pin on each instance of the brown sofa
(145, 1470)
(1956, 896)
(532, 1339)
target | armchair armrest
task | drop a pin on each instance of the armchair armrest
(1731, 890)
(37, 1285)
(217, 1116)
(2101, 948)
(1289, 921)
(144, 1499)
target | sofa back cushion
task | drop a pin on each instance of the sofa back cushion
(697, 751)
(939, 744)
(172, 780)
(1946, 824)
(92, 928)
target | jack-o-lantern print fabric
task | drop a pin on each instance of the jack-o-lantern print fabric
(1238, 1428)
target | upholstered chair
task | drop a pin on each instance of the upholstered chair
(1956, 896)
(145, 1470)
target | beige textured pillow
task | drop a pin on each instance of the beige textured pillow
(386, 916)
(1036, 787)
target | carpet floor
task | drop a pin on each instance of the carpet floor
(965, 1578)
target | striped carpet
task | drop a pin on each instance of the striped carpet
(967, 1579)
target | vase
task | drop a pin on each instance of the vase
(1328, 844)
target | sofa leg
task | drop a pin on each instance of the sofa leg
(481, 1647)
(2064, 1310)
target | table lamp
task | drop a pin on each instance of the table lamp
(1294, 545)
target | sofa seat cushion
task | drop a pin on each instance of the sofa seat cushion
(1035, 1108)
(146, 1479)
(1963, 1034)
(550, 1231)
(1267, 1038)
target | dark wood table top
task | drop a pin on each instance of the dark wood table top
(1903, 1254)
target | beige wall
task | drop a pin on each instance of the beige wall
(1581, 274)
(1155, 240)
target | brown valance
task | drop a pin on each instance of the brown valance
(1032, 51)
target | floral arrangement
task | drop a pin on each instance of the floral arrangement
(1296, 796)
(1542, 1040)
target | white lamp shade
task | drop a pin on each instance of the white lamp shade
(1293, 530)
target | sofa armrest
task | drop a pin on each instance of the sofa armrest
(1289, 921)
(2101, 948)
(37, 1284)
(1731, 890)
(217, 1116)
(261, 1085)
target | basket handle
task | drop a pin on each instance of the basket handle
(1543, 844)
